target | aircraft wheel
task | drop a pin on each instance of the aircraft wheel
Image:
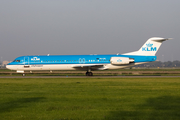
(23, 75)
(89, 74)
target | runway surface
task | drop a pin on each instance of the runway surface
(89, 76)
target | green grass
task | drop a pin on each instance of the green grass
(89, 98)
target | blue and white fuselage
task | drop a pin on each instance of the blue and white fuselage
(88, 62)
(73, 62)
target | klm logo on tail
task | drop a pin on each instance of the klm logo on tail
(149, 47)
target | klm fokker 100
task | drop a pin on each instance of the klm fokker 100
(88, 62)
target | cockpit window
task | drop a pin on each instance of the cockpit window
(16, 61)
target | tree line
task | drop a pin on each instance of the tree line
(161, 64)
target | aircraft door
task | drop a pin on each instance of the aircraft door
(26, 62)
(82, 60)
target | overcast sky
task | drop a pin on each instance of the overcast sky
(38, 27)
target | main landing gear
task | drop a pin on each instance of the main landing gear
(89, 74)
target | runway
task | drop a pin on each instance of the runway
(89, 76)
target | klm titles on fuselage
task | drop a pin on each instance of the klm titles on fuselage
(35, 58)
(149, 48)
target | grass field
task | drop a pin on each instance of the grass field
(89, 98)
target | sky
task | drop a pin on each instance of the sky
(60, 27)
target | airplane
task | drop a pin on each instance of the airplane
(88, 63)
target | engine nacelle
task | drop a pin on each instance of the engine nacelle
(121, 60)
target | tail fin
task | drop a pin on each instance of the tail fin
(150, 47)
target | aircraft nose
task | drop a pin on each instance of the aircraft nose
(8, 66)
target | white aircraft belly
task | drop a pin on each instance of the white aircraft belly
(50, 67)
(61, 67)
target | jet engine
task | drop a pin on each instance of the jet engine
(121, 60)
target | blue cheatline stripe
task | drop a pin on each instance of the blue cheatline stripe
(76, 59)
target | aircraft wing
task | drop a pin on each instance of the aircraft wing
(93, 67)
